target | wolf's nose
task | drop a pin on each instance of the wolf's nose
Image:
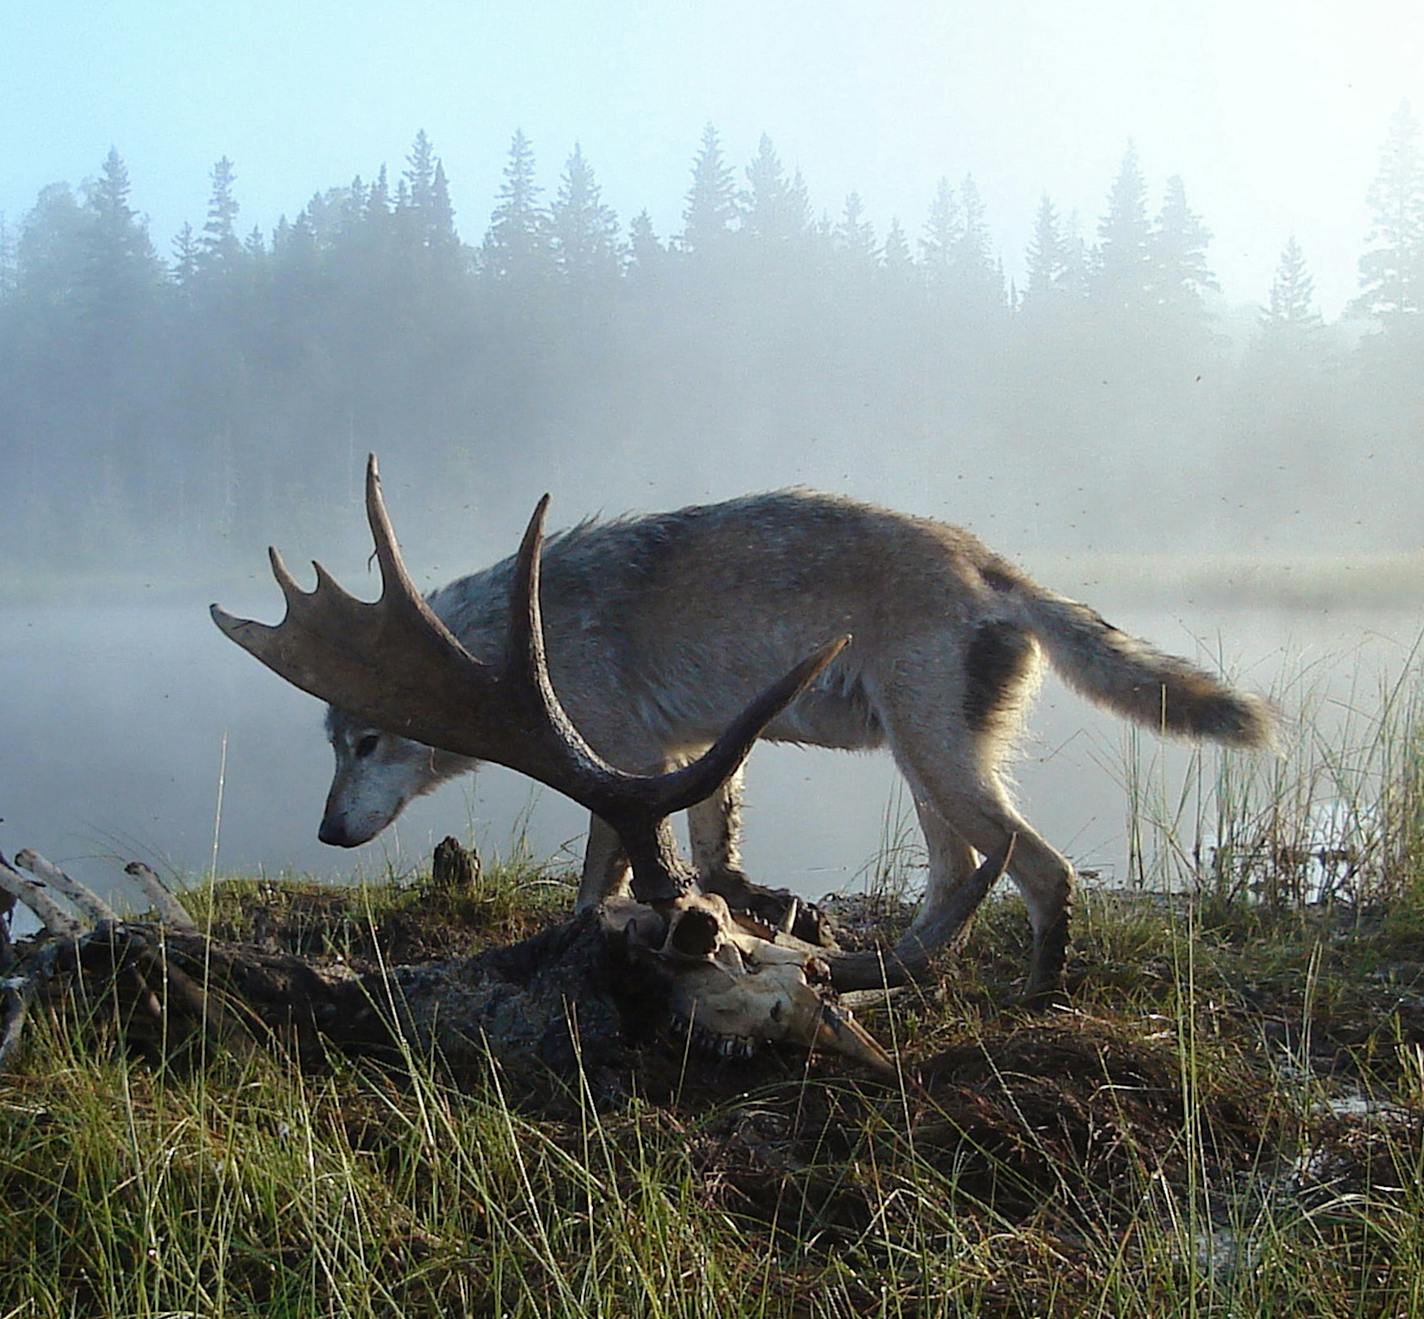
(333, 834)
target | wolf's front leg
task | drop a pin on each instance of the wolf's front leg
(605, 867)
(714, 828)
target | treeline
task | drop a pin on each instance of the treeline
(230, 391)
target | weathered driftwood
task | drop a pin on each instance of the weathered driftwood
(166, 988)
(590, 992)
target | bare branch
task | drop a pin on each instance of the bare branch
(171, 912)
(34, 894)
(83, 897)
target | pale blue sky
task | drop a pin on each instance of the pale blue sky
(1272, 111)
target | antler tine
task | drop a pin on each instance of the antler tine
(290, 590)
(395, 580)
(392, 661)
(909, 960)
(700, 778)
(326, 582)
(525, 649)
(526, 665)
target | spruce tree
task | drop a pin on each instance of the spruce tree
(1076, 262)
(420, 173)
(353, 207)
(376, 230)
(975, 278)
(1121, 276)
(440, 227)
(299, 253)
(1047, 255)
(424, 216)
(516, 243)
(219, 250)
(281, 235)
(854, 236)
(1290, 313)
(776, 211)
(185, 258)
(583, 231)
(378, 200)
(943, 230)
(255, 264)
(711, 201)
(1392, 270)
(647, 256)
(121, 270)
(898, 262)
(1179, 273)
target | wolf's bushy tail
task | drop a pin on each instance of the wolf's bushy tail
(1126, 674)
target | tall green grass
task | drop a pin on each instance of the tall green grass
(1345, 781)
(1180, 1142)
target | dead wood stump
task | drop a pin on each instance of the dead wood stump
(455, 869)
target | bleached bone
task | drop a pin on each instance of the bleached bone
(744, 986)
(81, 895)
(734, 988)
(171, 912)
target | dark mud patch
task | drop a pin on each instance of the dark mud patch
(1079, 1115)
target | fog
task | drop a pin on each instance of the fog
(1181, 382)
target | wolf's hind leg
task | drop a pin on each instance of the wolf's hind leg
(951, 772)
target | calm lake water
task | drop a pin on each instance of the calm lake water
(120, 725)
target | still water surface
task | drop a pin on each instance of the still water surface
(119, 726)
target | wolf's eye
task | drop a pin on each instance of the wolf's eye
(366, 745)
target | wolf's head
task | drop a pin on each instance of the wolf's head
(376, 775)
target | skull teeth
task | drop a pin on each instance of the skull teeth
(729, 1048)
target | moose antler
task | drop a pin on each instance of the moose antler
(395, 664)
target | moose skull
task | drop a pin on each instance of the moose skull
(732, 987)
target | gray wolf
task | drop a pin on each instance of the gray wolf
(661, 628)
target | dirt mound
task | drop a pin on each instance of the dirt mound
(1079, 1112)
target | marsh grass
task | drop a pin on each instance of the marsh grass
(1229, 1121)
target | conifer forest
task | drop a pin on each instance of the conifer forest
(169, 395)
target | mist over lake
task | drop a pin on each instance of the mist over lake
(1130, 296)
(116, 717)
